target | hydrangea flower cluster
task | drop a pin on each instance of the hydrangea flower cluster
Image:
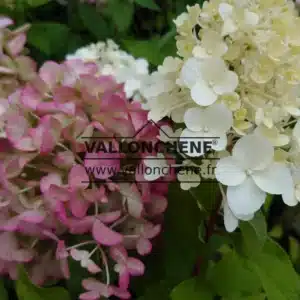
(237, 79)
(15, 67)
(53, 207)
(111, 60)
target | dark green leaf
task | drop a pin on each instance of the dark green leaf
(148, 4)
(36, 3)
(192, 289)
(181, 243)
(3, 292)
(121, 13)
(49, 38)
(28, 291)
(93, 21)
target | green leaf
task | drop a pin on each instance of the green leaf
(147, 49)
(192, 289)
(49, 38)
(121, 13)
(231, 275)
(148, 4)
(36, 3)
(276, 272)
(181, 243)
(28, 291)
(3, 292)
(93, 21)
(254, 234)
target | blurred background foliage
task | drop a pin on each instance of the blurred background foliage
(144, 28)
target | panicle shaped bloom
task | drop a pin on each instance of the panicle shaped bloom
(236, 80)
(52, 186)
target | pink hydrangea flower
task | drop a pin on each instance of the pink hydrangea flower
(49, 185)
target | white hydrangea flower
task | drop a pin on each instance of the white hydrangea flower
(210, 123)
(231, 221)
(208, 79)
(236, 18)
(250, 176)
(111, 60)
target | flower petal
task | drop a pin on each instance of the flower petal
(203, 94)
(105, 236)
(228, 172)
(246, 198)
(246, 149)
(276, 179)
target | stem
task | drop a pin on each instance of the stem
(81, 245)
(105, 262)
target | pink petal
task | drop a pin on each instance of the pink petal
(34, 217)
(78, 178)
(124, 279)
(81, 226)
(76, 254)
(16, 127)
(65, 159)
(50, 179)
(150, 231)
(118, 254)
(93, 295)
(78, 205)
(16, 45)
(25, 144)
(104, 235)
(30, 97)
(50, 72)
(109, 217)
(93, 268)
(135, 267)
(96, 286)
(121, 293)
(5, 21)
(144, 246)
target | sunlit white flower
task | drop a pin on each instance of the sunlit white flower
(250, 173)
(208, 79)
(212, 45)
(231, 221)
(236, 18)
(210, 123)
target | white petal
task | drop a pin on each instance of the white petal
(189, 138)
(228, 172)
(225, 10)
(251, 18)
(219, 118)
(289, 198)
(296, 130)
(203, 94)
(191, 72)
(194, 119)
(246, 198)
(230, 220)
(245, 217)
(220, 143)
(229, 26)
(200, 52)
(253, 152)
(275, 179)
(228, 84)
